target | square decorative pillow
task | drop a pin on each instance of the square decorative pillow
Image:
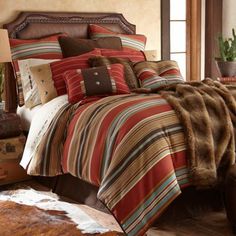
(155, 74)
(30, 89)
(131, 41)
(97, 81)
(44, 48)
(134, 56)
(75, 46)
(151, 55)
(49, 77)
(130, 77)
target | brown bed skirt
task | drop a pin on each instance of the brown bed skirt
(73, 188)
(190, 202)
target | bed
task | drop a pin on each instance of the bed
(30, 25)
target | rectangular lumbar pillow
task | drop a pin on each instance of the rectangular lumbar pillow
(75, 46)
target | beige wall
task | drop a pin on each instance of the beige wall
(229, 17)
(145, 14)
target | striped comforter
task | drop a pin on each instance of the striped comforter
(131, 146)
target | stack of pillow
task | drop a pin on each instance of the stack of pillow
(108, 63)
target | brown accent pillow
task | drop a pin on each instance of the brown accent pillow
(42, 75)
(130, 77)
(75, 46)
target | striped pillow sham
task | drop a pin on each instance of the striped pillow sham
(49, 77)
(134, 56)
(97, 81)
(44, 48)
(155, 74)
(130, 41)
(77, 62)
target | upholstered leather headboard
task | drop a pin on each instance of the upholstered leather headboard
(30, 25)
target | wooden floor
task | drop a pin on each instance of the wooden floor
(208, 223)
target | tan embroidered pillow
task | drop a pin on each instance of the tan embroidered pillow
(29, 87)
(43, 77)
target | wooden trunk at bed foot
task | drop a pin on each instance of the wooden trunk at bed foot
(230, 196)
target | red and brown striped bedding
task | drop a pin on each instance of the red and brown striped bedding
(131, 146)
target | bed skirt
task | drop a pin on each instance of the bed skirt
(190, 202)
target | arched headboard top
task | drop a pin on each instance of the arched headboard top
(29, 25)
(38, 24)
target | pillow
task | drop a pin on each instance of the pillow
(44, 48)
(131, 41)
(130, 77)
(43, 78)
(134, 56)
(151, 55)
(155, 74)
(30, 89)
(74, 46)
(97, 81)
(49, 77)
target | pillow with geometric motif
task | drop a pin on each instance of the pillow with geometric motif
(29, 87)
(96, 81)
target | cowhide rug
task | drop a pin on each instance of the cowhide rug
(18, 219)
(26, 212)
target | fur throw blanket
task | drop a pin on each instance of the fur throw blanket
(207, 111)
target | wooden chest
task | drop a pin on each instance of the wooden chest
(11, 150)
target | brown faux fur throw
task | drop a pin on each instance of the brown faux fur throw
(207, 111)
